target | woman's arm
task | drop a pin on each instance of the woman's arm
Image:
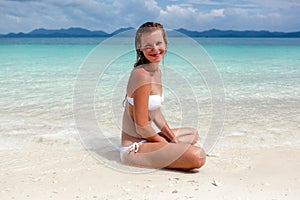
(141, 114)
(162, 124)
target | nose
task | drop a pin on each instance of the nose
(155, 47)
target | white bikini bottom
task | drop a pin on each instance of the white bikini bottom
(134, 147)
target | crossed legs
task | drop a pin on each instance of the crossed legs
(181, 155)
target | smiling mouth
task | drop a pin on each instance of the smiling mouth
(156, 54)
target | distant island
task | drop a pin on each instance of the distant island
(80, 32)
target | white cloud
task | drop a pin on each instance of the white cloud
(135, 12)
(177, 11)
(96, 15)
(217, 13)
(176, 16)
(277, 4)
(108, 15)
(207, 2)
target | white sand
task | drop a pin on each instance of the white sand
(55, 173)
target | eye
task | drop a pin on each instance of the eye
(159, 43)
(147, 47)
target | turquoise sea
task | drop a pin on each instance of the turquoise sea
(260, 79)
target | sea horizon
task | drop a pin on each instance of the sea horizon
(213, 32)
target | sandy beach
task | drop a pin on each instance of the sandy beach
(49, 172)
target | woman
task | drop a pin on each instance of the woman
(141, 144)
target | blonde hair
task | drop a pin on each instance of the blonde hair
(147, 27)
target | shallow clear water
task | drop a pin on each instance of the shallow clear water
(261, 79)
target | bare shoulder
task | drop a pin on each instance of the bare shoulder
(139, 77)
(140, 74)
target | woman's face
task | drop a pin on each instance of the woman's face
(153, 46)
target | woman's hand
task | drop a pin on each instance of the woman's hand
(157, 138)
(175, 140)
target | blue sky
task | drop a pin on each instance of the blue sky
(109, 15)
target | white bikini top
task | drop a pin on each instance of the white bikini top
(154, 101)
